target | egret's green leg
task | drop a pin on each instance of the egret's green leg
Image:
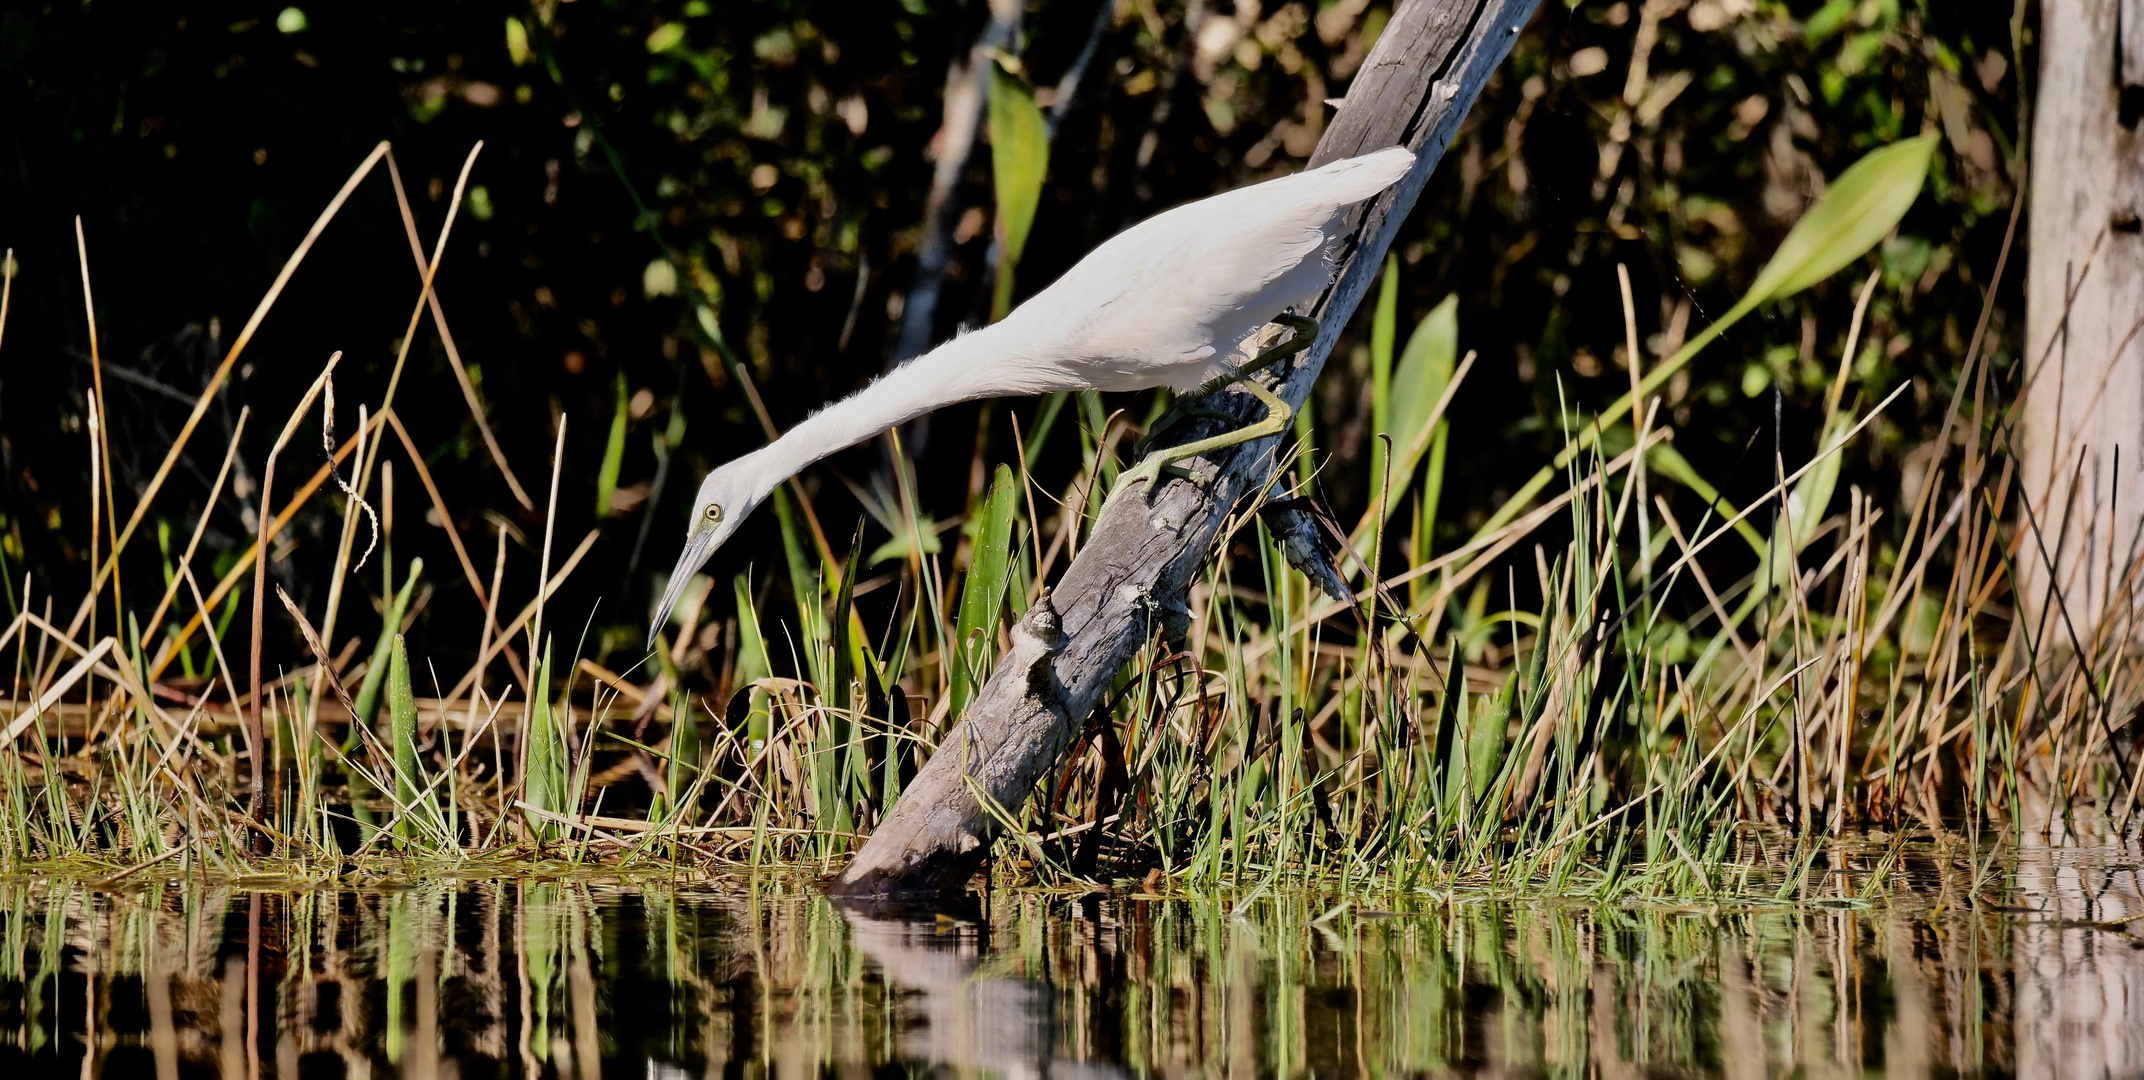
(1306, 331)
(1278, 414)
(1276, 420)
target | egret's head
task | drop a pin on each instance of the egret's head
(726, 497)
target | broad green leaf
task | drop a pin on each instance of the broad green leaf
(1864, 204)
(982, 598)
(1384, 323)
(1862, 207)
(1827, 20)
(1019, 157)
(1424, 370)
(753, 662)
(1417, 381)
(804, 587)
(613, 452)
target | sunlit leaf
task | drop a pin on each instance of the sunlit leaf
(517, 41)
(1417, 381)
(1485, 739)
(1384, 336)
(1424, 370)
(1862, 207)
(613, 453)
(1864, 204)
(840, 622)
(902, 544)
(983, 597)
(666, 37)
(1019, 157)
(1806, 504)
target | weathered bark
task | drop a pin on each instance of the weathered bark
(2083, 412)
(1131, 577)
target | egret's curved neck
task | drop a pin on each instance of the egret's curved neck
(959, 370)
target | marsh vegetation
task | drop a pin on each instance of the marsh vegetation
(1701, 702)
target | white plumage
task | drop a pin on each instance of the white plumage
(1172, 301)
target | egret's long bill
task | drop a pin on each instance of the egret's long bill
(1176, 300)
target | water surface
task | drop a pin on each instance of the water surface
(737, 977)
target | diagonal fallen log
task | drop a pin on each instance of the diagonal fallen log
(1421, 77)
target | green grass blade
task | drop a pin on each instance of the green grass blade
(841, 627)
(1455, 689)
(684, 756)
(368, 692)
(402, 716)
(613, 453)
(545, 778)
(1038, 435)
(753, 663)
(982, 597)
(1664, 459)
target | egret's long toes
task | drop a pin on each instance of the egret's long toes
(1147, 472)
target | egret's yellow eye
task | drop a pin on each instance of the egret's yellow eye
(713, 513)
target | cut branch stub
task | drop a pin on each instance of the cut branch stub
(1421, 77)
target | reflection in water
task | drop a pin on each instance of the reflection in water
(720, 978)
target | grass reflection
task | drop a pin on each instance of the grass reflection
(766, 978)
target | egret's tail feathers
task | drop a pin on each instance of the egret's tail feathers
(1357, 178)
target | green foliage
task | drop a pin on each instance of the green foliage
(737, 194)
(1486, 737)
(613, 451)
(544, 777)
(1019, 158)
(402, 714)
(982, 598)
(1865, 203)
(368, 692)
(1862, 206)
(1423, 373)
(682, 763)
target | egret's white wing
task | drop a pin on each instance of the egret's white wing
(1163, 301)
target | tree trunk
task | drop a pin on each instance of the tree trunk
(1131, 577)
(2083, 408)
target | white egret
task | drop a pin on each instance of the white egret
(1173, 301)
